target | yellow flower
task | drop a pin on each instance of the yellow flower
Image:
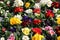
(37, 37)
(58, 20)
(15, 20)
(26, 31)
(58, 38)
(27, 4)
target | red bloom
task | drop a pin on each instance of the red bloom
(37, 10)
(3, 29)
(57, 29)
(56, 4)
(37, 30)
(37, 21)
(18, 9)
(49, 13)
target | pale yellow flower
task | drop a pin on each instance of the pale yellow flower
(37, 37)
(27, 4)
(15, 20)
(58, 38)
(26, 31)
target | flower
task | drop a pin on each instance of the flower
(38, 37)
(37, 30)
(49, 3)
(18, 16)
(11, 37)
(56, 4)
(36, 21)
(36, 14)
(18, 9)
(15, 20)
(58, 19)
(51, 32)
(13, 29)
(26, 31)
(49, 13)
(58, 38)
(25, 37)
(36, 5)
(37, 10)
(55, 10)
(18, 3)
(29, 11)
(3, 29)
(57, 29)
(27, 4)
(2, 38)
(44, 2)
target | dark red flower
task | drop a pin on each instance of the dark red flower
(36, 21)
(57, 29)
(56, 4)
(49, 13)
(3, 29)
(18, 9)
(37, 30)
(37, 10)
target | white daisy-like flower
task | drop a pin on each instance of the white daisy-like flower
(18, 3)
(49, 3)
(25, 38)
(2, 38)
(55, 10)
(36, 5)
(18, 16)
(29, 11)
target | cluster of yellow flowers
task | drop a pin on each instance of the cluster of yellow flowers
(15, 20)
(58, 38)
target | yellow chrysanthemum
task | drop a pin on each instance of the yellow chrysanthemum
(27, 4)
(37, 37)
(15, 20)
(58, 20)
(58, 38)
(26, 31)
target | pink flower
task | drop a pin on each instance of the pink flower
(51, 32)
(11, 37)
(48, 28)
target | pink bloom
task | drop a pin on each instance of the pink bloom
(48, 28)
(11, 37)
(51, 32)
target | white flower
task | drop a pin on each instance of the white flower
(18, 3)
(55, 10)
(1, 2)
(36, 5)
(8, 2)
(2, 38)
(25, 38)
(18, 16)
(49, 3)
(58, 16)
(28, 11)
(44, 2)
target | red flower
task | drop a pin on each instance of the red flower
(18, 9)
(56, 4)
(37, 21)
(49, 13)
(3, 29)
(37, 30)
(37, 10)
(57, 29)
